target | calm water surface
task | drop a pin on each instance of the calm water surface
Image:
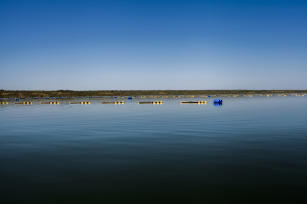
(249, 149)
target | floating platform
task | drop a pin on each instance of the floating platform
(4, 103)
(51, 102)
(150, 102)
(24, 103)
(193, 102)
(82, 102)
(218, 101)
(113, 102)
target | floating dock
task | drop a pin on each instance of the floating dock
(24, 103)
(51, 102)
(4, 103)
(82, 102)
(193, 102)
(113, 102)
(150, 102)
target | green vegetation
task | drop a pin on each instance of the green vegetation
(70, 93)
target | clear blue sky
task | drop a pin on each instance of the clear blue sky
(157, 44)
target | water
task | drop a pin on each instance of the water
(247, 150)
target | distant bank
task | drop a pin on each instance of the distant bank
(71, 93)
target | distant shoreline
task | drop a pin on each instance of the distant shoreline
(101, 93)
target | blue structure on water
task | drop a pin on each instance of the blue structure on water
(217, 102)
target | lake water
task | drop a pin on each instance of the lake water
(247, 150)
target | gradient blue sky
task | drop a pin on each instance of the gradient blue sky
(161, 44)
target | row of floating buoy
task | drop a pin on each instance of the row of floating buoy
(150, 102)
(51, 102)
(195, 102)
(159, 96)
(25, 103)
(82, 102)
(115, 102)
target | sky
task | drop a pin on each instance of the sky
(153, 44)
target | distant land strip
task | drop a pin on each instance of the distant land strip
(71, 93)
